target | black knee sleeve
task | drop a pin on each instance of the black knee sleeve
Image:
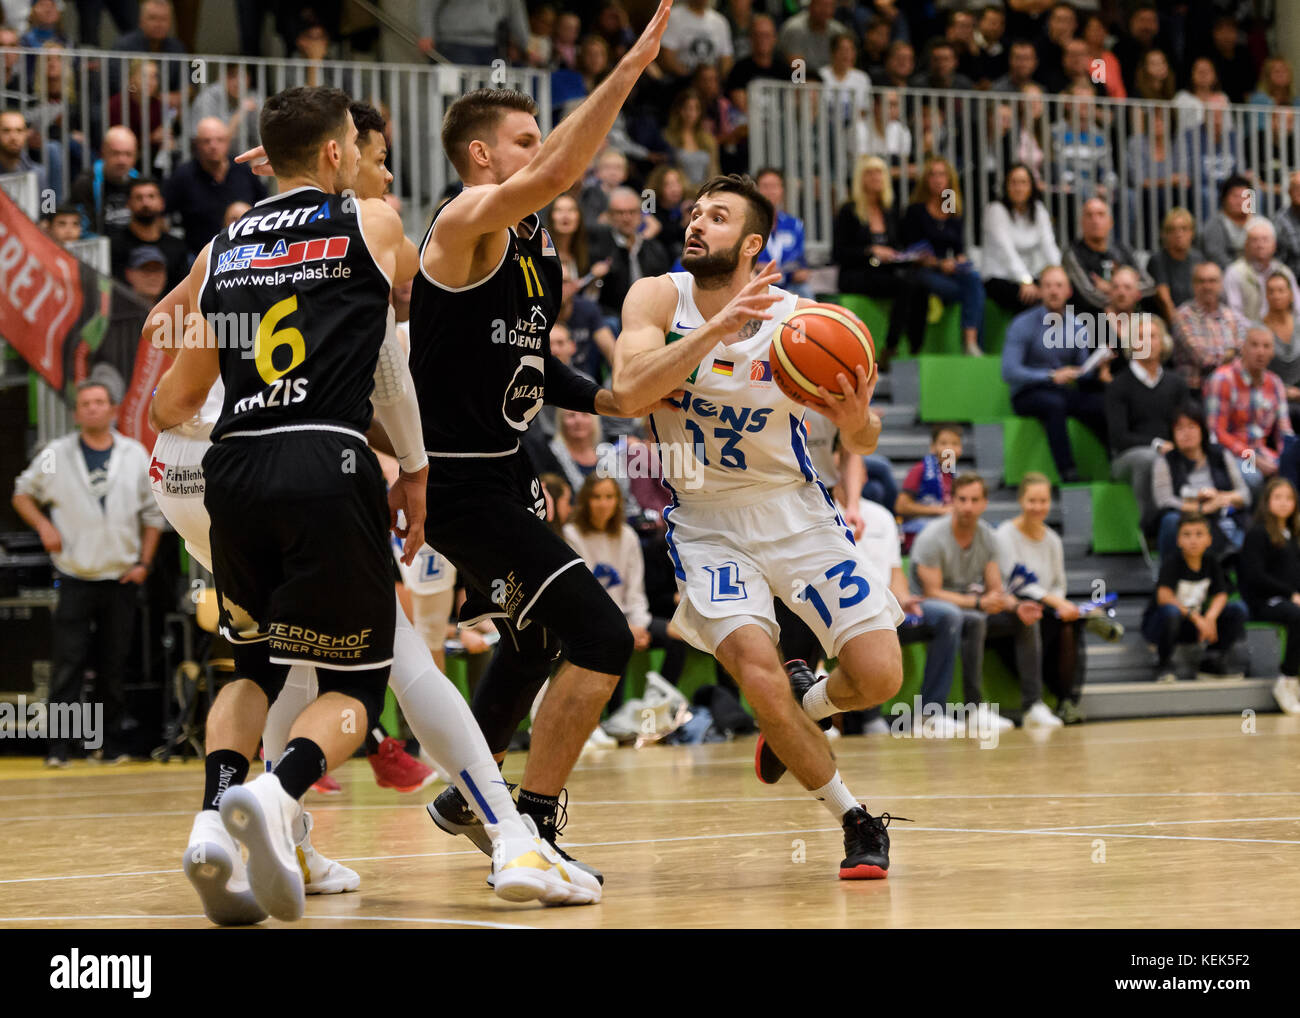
(252, 662)
(505, 693)
(367, 686)
(593, 633)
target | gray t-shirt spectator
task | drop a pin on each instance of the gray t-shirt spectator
(473, 22)
(962, 568)
(798, 40)
(1174, 274)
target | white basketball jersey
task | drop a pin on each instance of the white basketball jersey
(738, 437)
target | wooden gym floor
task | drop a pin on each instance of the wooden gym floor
(1188, 822)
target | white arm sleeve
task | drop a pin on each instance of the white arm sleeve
(395, 406)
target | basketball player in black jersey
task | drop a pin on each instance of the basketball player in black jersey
(482, 306)
(297, 501)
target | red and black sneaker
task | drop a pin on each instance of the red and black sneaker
(866, 845)
(396, 768)
(767, 765)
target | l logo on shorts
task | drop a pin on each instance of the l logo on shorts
(726, 582)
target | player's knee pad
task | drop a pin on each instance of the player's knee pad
(252, 662)
(367, 687)
(592, 631)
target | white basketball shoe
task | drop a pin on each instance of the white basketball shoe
(215, 867)
(260, 815)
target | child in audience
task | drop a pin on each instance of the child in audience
(927, 489)
(1191, 604)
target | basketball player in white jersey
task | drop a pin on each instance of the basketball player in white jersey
(434, 707)
(760, 525)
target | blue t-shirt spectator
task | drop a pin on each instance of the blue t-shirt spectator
(785, 246)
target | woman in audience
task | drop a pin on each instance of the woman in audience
(1018, 241)
(848, 89)
(1171, 266)
(1095, 34)
(1202, 82)
(672, 205)
(1032, 559)
(694, 149)
(1155, 170)
(1281, 321)
(569, 234)
(561, 499)
(140, 108)
(578, 452)
(866, 246)
(1196, 476)
(935, 218)
(1269, 577)
(1154, 79)
(1025, 147)
(883, 133)
(1276, 84)
(598, 532)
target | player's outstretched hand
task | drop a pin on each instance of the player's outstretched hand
(408, 495)
(850, 408)
(751, 304)
(646, 48)
(261, 165)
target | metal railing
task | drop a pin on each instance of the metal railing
(1078, 147)
(68, 96)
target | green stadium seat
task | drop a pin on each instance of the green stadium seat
(996, 320)
(944, 336)
(1116, 524)
(962, 388)
(1025, 449)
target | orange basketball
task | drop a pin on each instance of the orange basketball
(814, 344)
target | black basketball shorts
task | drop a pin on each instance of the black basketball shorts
(301, 553)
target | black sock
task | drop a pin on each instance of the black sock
(540, 807)
(223, 768)
(301, 765)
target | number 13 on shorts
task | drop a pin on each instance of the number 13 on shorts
(852, 590)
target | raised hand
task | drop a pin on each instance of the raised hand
(646, 48)
(749, 304)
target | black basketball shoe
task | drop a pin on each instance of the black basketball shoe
(866, 845)
(550, 828)
(451, 812)
(766, 764)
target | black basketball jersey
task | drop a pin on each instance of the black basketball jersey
(299, 306)
(478, 353)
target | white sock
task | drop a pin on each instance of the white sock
(299, 690)
(817, 702)
(441, 720)
(836, 797)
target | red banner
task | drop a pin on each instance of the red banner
(65, 319)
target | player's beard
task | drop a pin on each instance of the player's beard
(713, 268)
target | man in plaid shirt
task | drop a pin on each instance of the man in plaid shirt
(1207, 333)
(1245, 408)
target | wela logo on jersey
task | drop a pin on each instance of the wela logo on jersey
(281, 255)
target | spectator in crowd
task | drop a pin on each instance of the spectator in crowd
(1082, 160)
(1269, 577)
(954, 566)
(1211, 152)
(807, 35)
(989, 59)
(935, 218)
(1202, 86)
(1042, 360)
(1061, 27)
(1095, 35)
(202, 188)
(740, 19)
(466, 31)
(1155, 168)
(1031, 559)
(785, 243)
(1276, 85)
(542, 429)
(1019, 242)
(154, 35)
(235, 211)
(593, 340)
(148, 227)
(598, 532)
(673, 207)
(694, 149)
(848, 89)
(696, 34)
(927, 488)
(1091, 261)
(1171, 267)
(1245, 279)
(102, 533)
(615, 27)
(578, 451)
(124, 14)
(232, 100)
(1246, 408)
(1131, 46)
(1207, 333)
(1075, 69)
(564, 44)
(764, 60)
(561, 499)
(1287, 225)
(1196, 475)
(883, 133)
(102, 190)
(1232, 59)
(56, 115)
(959, 33)
(146, 273)
(875, 47)
(867, 244)
(1190, 604)
(14, 156)
(9, 40)
(1114, 328)
(541, 26)
(1278, 152)
(722, 121)
(63, 225)
(44, 24)
(1281, 320)
(1155, 78)
(569, 233)
(1141, 401)
(1020, 144)
(611, 173)
(900, 65)
(1225, 233)
(631, 251)
(140, 108)
(1022, 65)
(941, 68)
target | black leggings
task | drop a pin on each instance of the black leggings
(1065, 660)
(1005, 293)
(1287, 613)
(910, 299)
